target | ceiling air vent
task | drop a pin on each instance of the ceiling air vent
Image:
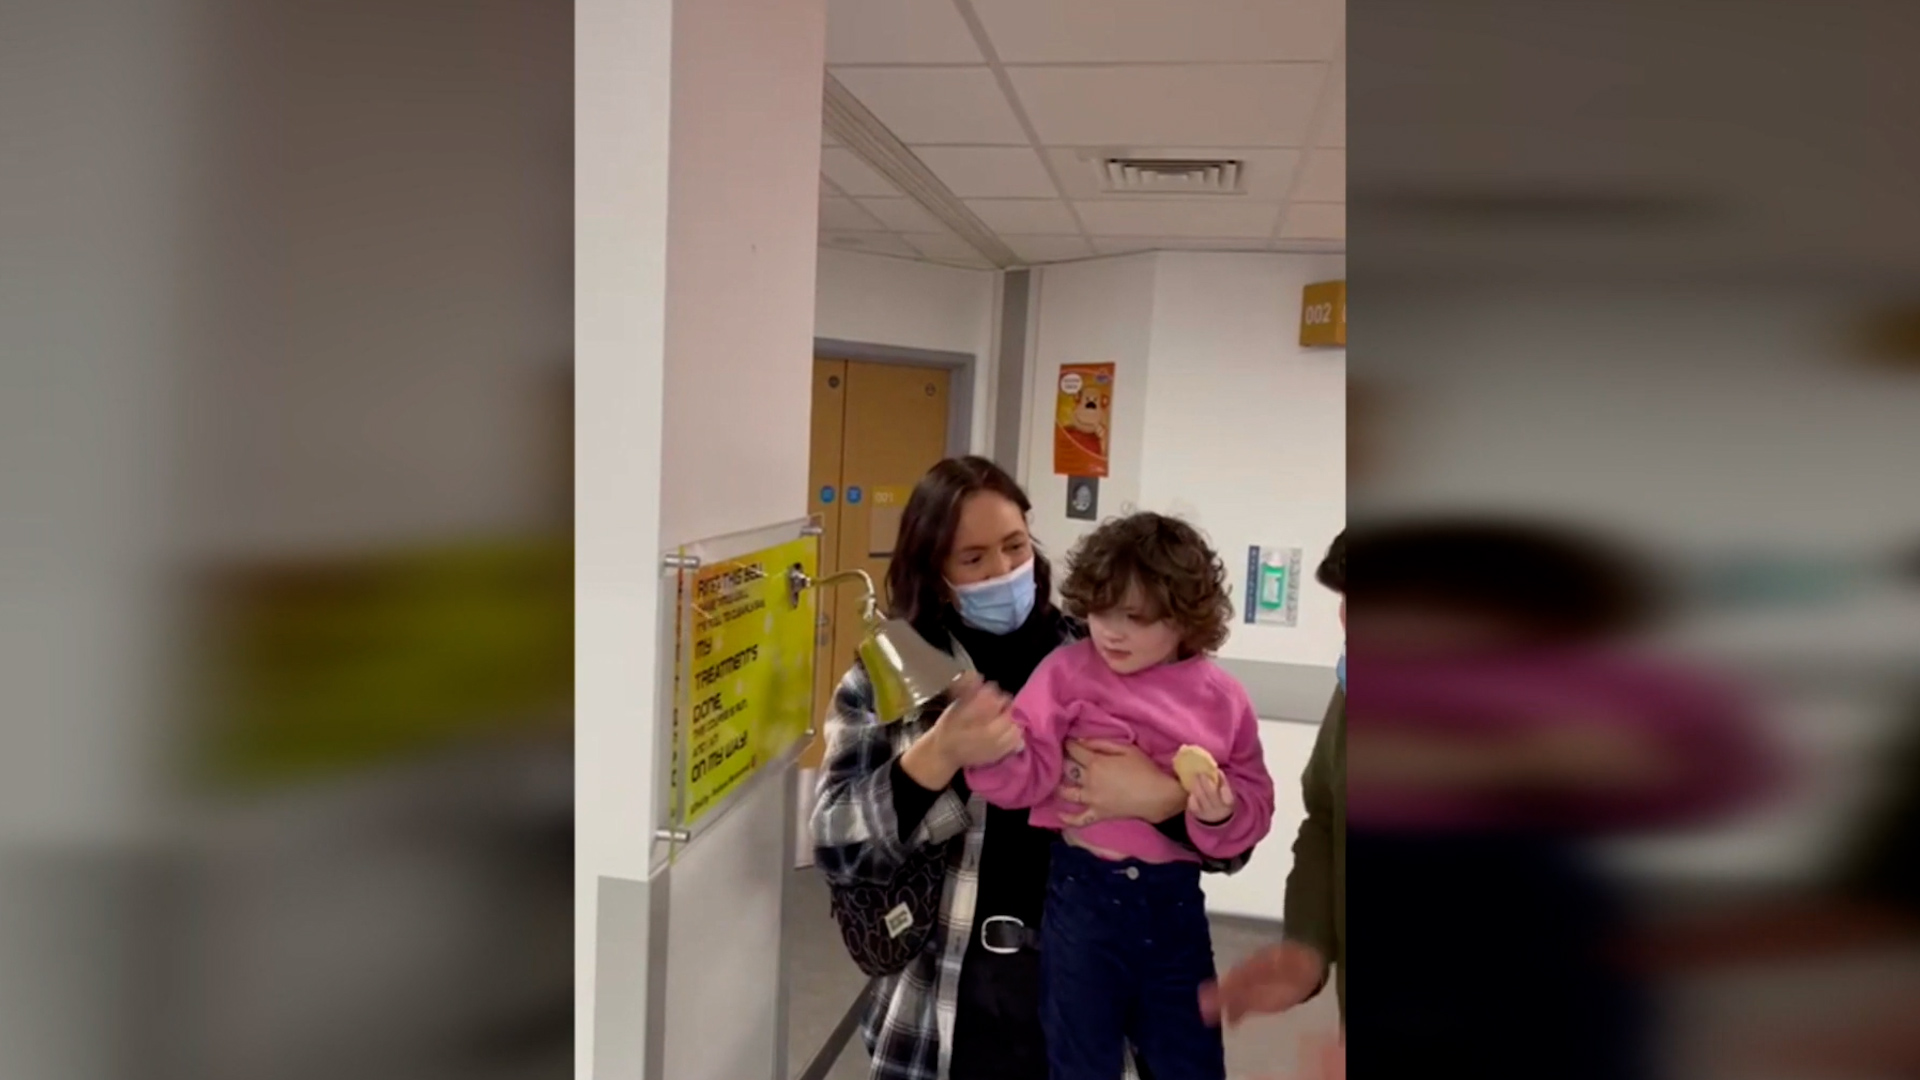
(1159, 176)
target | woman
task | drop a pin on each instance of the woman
(966, 575)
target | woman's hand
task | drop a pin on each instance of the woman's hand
(1114, 781)
(977, 729)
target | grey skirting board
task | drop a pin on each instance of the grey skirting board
(1296, 693)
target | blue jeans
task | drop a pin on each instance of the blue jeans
(1124, 949)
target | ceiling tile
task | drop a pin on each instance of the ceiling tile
(937, 105)
(1122, 245)
(1197, 216)
(902, 215)
(846, 215)
(1325, 178)
(1267, 174)
(1179, 104)
(872, 243)
(898, 32)
(1315, 221)
(1333, 127)
(1028, 31)
(988, 172)
(853, 176)
(1030, 217)
(1043, 249)
(946, 247)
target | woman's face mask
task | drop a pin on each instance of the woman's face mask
(998, 605)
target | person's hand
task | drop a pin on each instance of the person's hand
(1330, 1060)
(978, 728)
(1115, 781)
(1570, 756)
(1871, 1034)
(1324, 1059)
(1273, 980)
(1590, 754)
(1211, 802)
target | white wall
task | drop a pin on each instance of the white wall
(1220, 417)
(623, 79)
(1094, 312)
(876, 300)
(1259, 890)
(97, 289)
(394, 319)
(694, 310)
(1750, 409)
(1246, 430)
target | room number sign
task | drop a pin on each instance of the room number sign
(1323, 315)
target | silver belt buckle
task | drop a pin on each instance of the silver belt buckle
(1000, 950)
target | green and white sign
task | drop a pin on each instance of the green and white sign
(1273, 586)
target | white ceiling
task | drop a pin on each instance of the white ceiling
(1008, 102)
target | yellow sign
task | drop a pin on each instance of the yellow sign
(747, 672)
(334, 666)
(1323, 315)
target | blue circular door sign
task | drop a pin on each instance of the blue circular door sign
(826, 494)
(853, 496)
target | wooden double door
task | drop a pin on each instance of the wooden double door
(877, 429)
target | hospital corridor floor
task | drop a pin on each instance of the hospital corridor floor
(825, 984)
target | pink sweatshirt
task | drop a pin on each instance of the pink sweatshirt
(1074, 694)
(1722, 761)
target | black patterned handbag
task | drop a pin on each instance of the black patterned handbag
(887, 926)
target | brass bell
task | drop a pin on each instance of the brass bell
(906, 671)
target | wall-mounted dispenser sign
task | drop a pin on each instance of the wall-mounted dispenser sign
(1273, 586)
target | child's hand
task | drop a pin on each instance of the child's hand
(978, 728)
(1211, 802)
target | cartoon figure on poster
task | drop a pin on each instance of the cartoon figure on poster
(1082, 429)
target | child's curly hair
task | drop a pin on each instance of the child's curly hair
(1179, 575)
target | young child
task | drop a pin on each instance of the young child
(1124, 942)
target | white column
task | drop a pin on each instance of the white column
(697, 156)
(99, 114)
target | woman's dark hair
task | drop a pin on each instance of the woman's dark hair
(1178, 574)
(1333, 568)
(916, 584)
(1546, 580)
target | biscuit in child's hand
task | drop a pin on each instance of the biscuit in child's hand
(1190, 763)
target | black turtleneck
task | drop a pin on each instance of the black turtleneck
(1013, 854)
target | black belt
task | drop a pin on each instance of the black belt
(1004, 935)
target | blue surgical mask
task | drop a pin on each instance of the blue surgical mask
(999, 605)
(1340, 669)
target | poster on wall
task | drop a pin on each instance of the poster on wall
(1273, 586)
(1081, 431)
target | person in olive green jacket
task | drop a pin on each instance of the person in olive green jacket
(1315, 928)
